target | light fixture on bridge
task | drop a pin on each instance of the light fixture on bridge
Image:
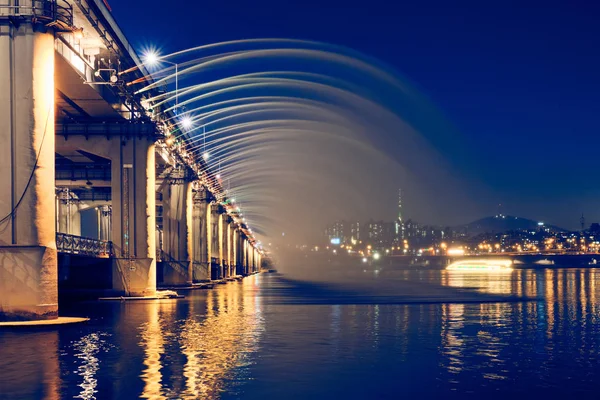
(186, 122)
(205, 156)
(78, 33)
(150, 58)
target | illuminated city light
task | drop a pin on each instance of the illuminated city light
(481, 265)
(456, 251)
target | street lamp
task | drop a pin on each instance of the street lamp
(186, 122)
(153, 59)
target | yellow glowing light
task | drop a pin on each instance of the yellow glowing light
(481, 265)
(456, 251)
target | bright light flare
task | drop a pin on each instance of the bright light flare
(151, 58)
(186, 122)
(206, 156)
(481, 265)
(376, 256)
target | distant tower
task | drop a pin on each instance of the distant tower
(400, 206)
(399, 223)
(582, 221)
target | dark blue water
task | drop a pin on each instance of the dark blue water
(390, 334)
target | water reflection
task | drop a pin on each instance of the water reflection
(152, 341)
(218, 343)
(499, 340)
(29, 365)
(198, 352)
(245, 340)
(87, 349)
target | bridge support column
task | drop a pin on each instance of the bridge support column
(216, 247)
(235, 244)
(201, 236)
(259, 261)
(246, 269)
(224, 228)
(28, 258)
(134, 217)
(177, 234)
(229, 254)
(68, 217)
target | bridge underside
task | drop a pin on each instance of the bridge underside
(95, 199)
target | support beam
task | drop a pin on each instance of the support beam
(201, 235)
(235, 244)
(134, 217)
(216, 240)
(28, 257)
(177, 234)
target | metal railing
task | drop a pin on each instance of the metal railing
(52, 13)
(72, 244)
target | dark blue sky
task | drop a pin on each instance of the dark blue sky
(520, 80)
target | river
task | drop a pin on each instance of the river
(351, 334)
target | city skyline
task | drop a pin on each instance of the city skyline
(511, 81)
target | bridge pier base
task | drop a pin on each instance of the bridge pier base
(28, 257)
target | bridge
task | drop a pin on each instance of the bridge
(93, 189)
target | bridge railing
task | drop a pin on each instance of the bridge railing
(72, 244)
(56, 13)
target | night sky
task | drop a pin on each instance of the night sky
(520, 81)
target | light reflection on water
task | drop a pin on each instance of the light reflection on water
(247, 340)
(86, 350)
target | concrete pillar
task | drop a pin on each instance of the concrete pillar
(177, 234)
(259, 261)
(134, 217)
(245, 263)
(214, 240)
(234, 249)
(201, 235)
(229, 252)
(221, 243)
(28, 258)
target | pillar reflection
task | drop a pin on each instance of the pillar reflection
(155, 335)
(219, 343)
